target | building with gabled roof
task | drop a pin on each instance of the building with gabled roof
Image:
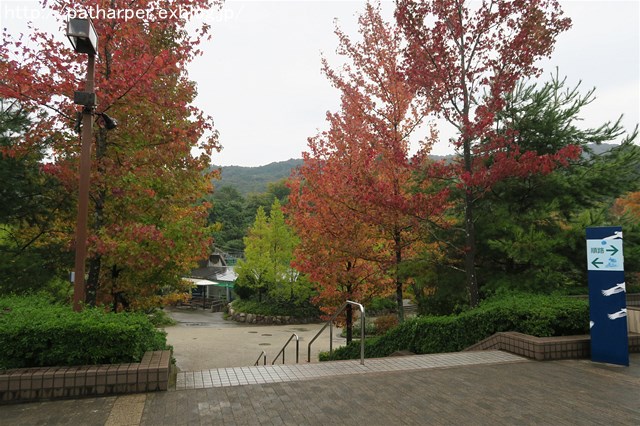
(213, 278)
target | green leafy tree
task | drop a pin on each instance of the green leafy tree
(253, 270)
(288, 285)
(466, 59)
(30, 197)
(531, 228)
(232, 214)
(275, 191)
(528, 236)
(266, 271)
(147, 216)
(229, 214)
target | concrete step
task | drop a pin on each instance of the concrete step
(238, 376)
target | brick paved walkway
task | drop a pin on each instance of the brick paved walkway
(500, 393)
(222, 377)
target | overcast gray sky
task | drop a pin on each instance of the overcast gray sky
(260, 75)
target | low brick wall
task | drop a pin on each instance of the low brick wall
(30, 384)
(633, 319)
(545, 348)
(633, 299)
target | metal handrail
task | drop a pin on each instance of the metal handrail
(285, 346)
(263, 355)
(330, 324)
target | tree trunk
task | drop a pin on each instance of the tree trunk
(470, 233)
(399, 283)
(469, 225)
(116, 296)
(470, 253)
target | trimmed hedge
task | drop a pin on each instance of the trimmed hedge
(35, 333)
(536, 315)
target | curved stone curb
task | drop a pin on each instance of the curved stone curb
(267, 319)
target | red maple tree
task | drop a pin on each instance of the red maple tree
(464, 58)
(354, 199)
(147, 216)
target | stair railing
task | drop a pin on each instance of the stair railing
(285, 347)
(330, 324)
(262, 355)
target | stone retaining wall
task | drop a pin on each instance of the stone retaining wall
(267, 319)
(30, 384)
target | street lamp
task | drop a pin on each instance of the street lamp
(83, 36)
(84, 39)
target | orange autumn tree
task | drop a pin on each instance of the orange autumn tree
(147, 217)
(626, 211)
(354, 201)
(335, 246)
(628, 206)
(466, 57)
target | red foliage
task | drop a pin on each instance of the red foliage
(355, 202)
(464, 57)
(146, 185)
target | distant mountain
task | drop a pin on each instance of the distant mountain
(602, 148)
(249, 180)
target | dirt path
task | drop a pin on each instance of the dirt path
(203, 340)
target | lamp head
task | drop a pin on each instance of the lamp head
(110, 123)
(82, 35)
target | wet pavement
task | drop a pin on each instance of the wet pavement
(218, 386)
(505, 391)
(203, 340)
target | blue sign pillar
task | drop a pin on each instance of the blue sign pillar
(607, 296)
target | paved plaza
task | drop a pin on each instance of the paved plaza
(222, 377)
(483, 388)
(217, 386)
(203, 340)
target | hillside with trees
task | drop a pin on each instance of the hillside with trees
(248, 180)
(254, 180)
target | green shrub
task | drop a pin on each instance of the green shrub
(385, 323)
(36, 333)
(275, 309)
(381, 305)
(372, 326)
(536, 315)
(159, 318)
(369, 328)
(634, 288)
